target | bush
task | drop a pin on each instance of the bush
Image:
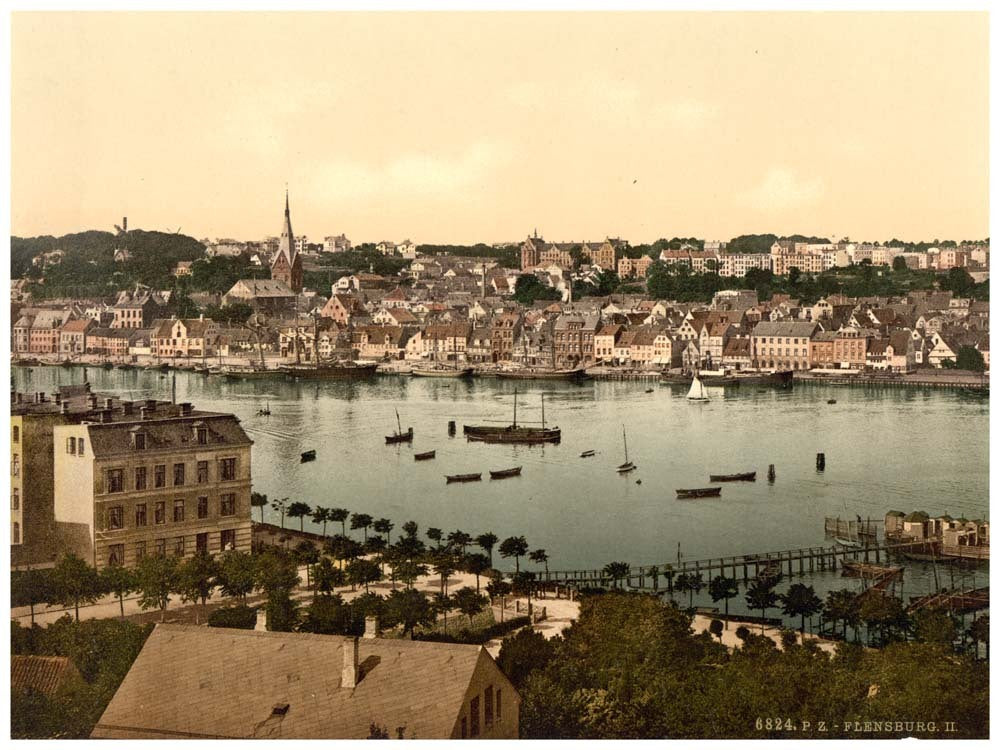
(476, 637)
(244, 618)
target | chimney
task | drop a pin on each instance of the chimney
(57, 397)
(185, 409)
(126, 407)
(64, 408)
(93, 401)
(109, 403)
(143, 412)
(261, 620)
(349, 677)
(371, 627)
(106, 416)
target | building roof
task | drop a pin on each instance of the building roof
(256, 288)
(169, 431)
(191, 681)
(40, 674)
(793, 329)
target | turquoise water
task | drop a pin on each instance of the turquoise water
(892, 449)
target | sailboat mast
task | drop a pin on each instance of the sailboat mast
(399, 427)
(543, 411)
(515, 407)
(625, 440)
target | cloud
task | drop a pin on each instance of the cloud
(781, 189)
(413, 173)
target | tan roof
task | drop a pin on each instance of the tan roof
(191, 681)
(41, 674)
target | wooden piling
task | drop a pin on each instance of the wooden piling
(820, 461)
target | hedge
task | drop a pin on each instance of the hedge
(477, 637)
(244, 618)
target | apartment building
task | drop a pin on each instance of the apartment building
(781, 345)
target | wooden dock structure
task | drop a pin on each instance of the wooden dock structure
(741, 567)
(848, 529)
(968, 600)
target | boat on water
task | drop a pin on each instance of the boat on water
(67, 363)
(164, 367)
(399, 436)
(780, 379)
(127, 366)
(441, 372)
(426, 456)
(504, 473)
(28, 362)
(628, 466)
(587, 454)
(462, 478)
(699, 492)
(697, 392)
(747, 476)
(831, 401)
(513, 433)
(105, 365)
(540, 373)
(345, 370)
(846, 542)
(308, 456)
(649, 390)
(246, 373)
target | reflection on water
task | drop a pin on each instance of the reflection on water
(897, 449)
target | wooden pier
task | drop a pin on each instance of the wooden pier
(741, 567)
(960, 602)
(974, 386)
(853, 530)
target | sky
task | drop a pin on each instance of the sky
(484, 127)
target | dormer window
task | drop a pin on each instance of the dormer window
(139, 441)
(201, 435)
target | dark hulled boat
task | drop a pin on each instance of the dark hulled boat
(330, 371)
(463, 478)
(441, 372)
(747, 476)
(504, 473)
(427, 456)
(400, 436)
(536, 373)
(587, 454)
(308, 456)
(700, 492)
(513, 433)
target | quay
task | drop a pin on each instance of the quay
(742, 567)
(960, 381)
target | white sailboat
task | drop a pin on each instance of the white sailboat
(697, 392)
(628, 466)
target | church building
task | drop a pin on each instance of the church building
(287, 263)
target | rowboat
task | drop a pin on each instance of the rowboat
(586, 454)
(463, 477)
(700, 492)
(308, 456)
(441, 372)
(504, 473)
(400, 436)
(846, 542)
(832, 401)
(424, 456)
(747, 476)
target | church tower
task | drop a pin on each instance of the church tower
(287, 263)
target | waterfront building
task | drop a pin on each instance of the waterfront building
(574, 339)
(147, 477)
(286, 265)
(308, 686)
(821, 350)
(43, 335)
(850, 347)
(269, 296)
(505, 331)
(135, 309)
(109, 342)
(781, 345)
(605, 340)
(73, 336)
(184, 337)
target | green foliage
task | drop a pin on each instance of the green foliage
(508, 256)
(326, 576)
(240, 616)
(408, 608)
(715, 627)
(516, 547)
(120, 581)
(74, 583)
(31, 588)
(363, 258)
(220, 273)
(476, 636)
(156, 580)
(236, 573)
(196, 577)
(801, 601)
(362, 572)
(529, 289)
(487, 542)
(761, 596)
(327, 614)
(616, 571)
(969, 358)
(469, 602)
(523, 653)
(935, 626)
(299, 510)
(236, 313)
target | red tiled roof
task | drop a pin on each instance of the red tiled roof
(42, 674)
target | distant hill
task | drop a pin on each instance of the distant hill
(88, 267)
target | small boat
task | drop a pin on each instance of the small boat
(165, 366)
(542, 373)
(463, 477)
(265, 412)
(308, 456)
(697, 392)
(127, 366)
(400, 436)
(504, 473)
(67, 363)
(649, 390)
(700, 492)
(108, 366)
(512, 433)
(832, 401)
(427, 456)
(330, 371)
(846, 542)
(628, 466)
(586, 454)
(441, 372)
(748, 476)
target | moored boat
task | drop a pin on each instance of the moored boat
(400, 437)
(426, 456)
(441, 372)
(331, 371)
(308, 456)
(513, 433)
(246, 373)
(504, 473)
(697, 391)
(747, 476)
(537, 373)
(699, 492)
(587, 454)
(628, 466)
(463, 477)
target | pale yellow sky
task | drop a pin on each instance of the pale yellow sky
(481, 127)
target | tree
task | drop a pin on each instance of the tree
(541, 557)
(487, 542)
(31, 587)
(529, 288)
(459, 540)
(299, 510)
(516, 547)
(443, 564)
(328, 615)
(715, 628)
(761, 596)
(435, 535)
(524, 653)
(408, 571)
(841, 606)
(321, 515)
(281, 506)
(722, 588)
(74, 582)
(935, 626)
(477, 564)
(120, 581)
(969, 358)
(443, 604)
(340, 515)
(469, 602)
(156, 579)
(259, 500)
(383, 526)
(196, 578)
(408, 608)
(410, 529)
(899, 264)
(235, 574)
(277, 576)
(801, 601)
(690, 582)
(326, 576)
(306, 554)
(979, 632)
(616, 571)
(362, 572)
(361, 521)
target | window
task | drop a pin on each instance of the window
(139, 441)
(161, 547)
(488, 706)
(160, 476)
(15, 533)
(16, 438)
(228, 469)
(202, 507)
(116, 554)
(474, 716)
(140, 514)
(227, 505)
(178, 511)
(140, 551)
(115, 517)
(160, 513)
(15, 500)
(201, 433)
(496, 699)
(71, 445)
(140, 478)
(201, 542)
(15, 465)
(178, 474)
(227, 539)
(179, 546)
(116, 480)
(202, 472)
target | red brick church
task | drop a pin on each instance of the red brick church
(287, 263)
